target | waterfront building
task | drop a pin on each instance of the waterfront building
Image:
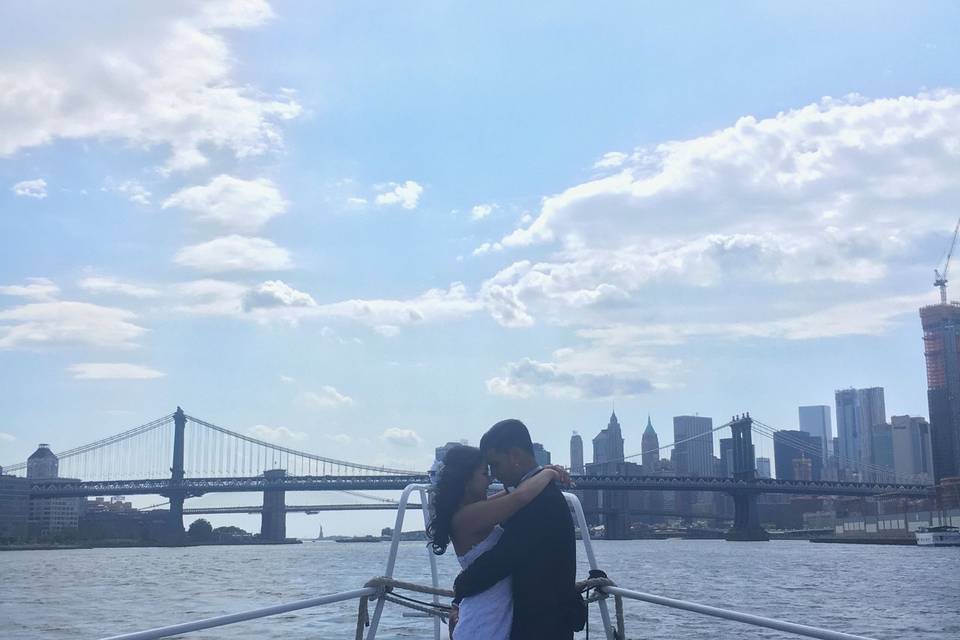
(608, 444)
(14, 507)
(881, 450)
(857, 411)
(941, 348)
(541, 455)
(43, 464)
(650, 447)
(815, 420)
(763, 467)
(50, 516)
(912, 453)
(726, 458)
(440, 452)
(693, 451)
(796, 445)
(576, 454)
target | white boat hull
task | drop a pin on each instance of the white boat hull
(938, 538)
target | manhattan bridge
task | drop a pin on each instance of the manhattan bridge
(179, 456)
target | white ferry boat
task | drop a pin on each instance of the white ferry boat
(938, 537)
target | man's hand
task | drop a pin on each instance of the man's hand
(452, 620)
(563, 474)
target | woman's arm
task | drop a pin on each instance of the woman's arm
(481, 516)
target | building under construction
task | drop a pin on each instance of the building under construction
(941, 347)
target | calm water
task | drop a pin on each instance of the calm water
(884, 592)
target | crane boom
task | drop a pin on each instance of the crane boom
(940, 279)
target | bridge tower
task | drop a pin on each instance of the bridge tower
(746, 519)
(176, 473)
(273, 517)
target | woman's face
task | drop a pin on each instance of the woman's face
(478, 483)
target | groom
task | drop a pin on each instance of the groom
(537, 548)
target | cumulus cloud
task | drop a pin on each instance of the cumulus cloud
(401, 437)
(812, 203)
(610, 160)
(275, 434)
(31, 189)
(326, 398)
(113, 371)
(276, 293)
(149, 75)
(132, 190)
(407, 194)
(529, 377)
(62, 322)
(7, 437)
(235, 253)
(242, 205)
(105, 285)
(481, 211)
(36, 289)
(210, 297)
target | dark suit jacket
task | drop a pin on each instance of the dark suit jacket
(539, 550)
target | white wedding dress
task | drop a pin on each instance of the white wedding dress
(487, 615)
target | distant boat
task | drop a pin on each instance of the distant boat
(362, 539)
(938, 537)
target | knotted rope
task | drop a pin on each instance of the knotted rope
(596, 581)
(385, 587)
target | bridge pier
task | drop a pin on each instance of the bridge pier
(273, 520)
(746, 520)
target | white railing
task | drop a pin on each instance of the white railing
(368, 592)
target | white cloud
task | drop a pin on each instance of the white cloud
(276, 293)
(488, 247)
(354, 202)
(610, 160)
(406, 194)
(210, 297)
(529, 377)
(61, 322)
(31, 189)
(235, 253)
(341, 438)
(287, 379)
(481, 211)
(326, 398)
(36, 289)
(112, 371)
(7, 437)
(401, 437)
(96, 284)
(148, 75)
(131, 189)
(275, 434)
(242, 205)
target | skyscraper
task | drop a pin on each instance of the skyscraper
(941, 347)
(576, 454)
(763, 467)
(789, 446)
(540, 454)
(650, 446)
(693, 451)
(608, 444)
(857, 411)
(912, 454)
(815, 420)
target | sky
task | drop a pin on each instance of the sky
(365, 229)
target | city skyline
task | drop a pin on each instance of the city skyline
(336, 243)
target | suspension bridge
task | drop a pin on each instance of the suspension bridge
(179, 456)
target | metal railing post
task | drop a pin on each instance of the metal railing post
(434, 576)
(392, 558)
(574, 503)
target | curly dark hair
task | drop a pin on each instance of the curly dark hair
(459, 465)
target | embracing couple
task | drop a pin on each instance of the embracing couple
(517, 548)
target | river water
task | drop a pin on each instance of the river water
(883, 592)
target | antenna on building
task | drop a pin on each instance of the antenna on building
(940, 279)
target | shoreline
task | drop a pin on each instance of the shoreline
(136, 545)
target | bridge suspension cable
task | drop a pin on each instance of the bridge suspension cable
(293, 452)
(673, 444)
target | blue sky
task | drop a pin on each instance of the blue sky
(363, 229)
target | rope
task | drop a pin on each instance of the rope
(597, 580)
(385, 587)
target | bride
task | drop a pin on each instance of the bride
(465, 516)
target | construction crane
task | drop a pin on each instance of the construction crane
(940, 279)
